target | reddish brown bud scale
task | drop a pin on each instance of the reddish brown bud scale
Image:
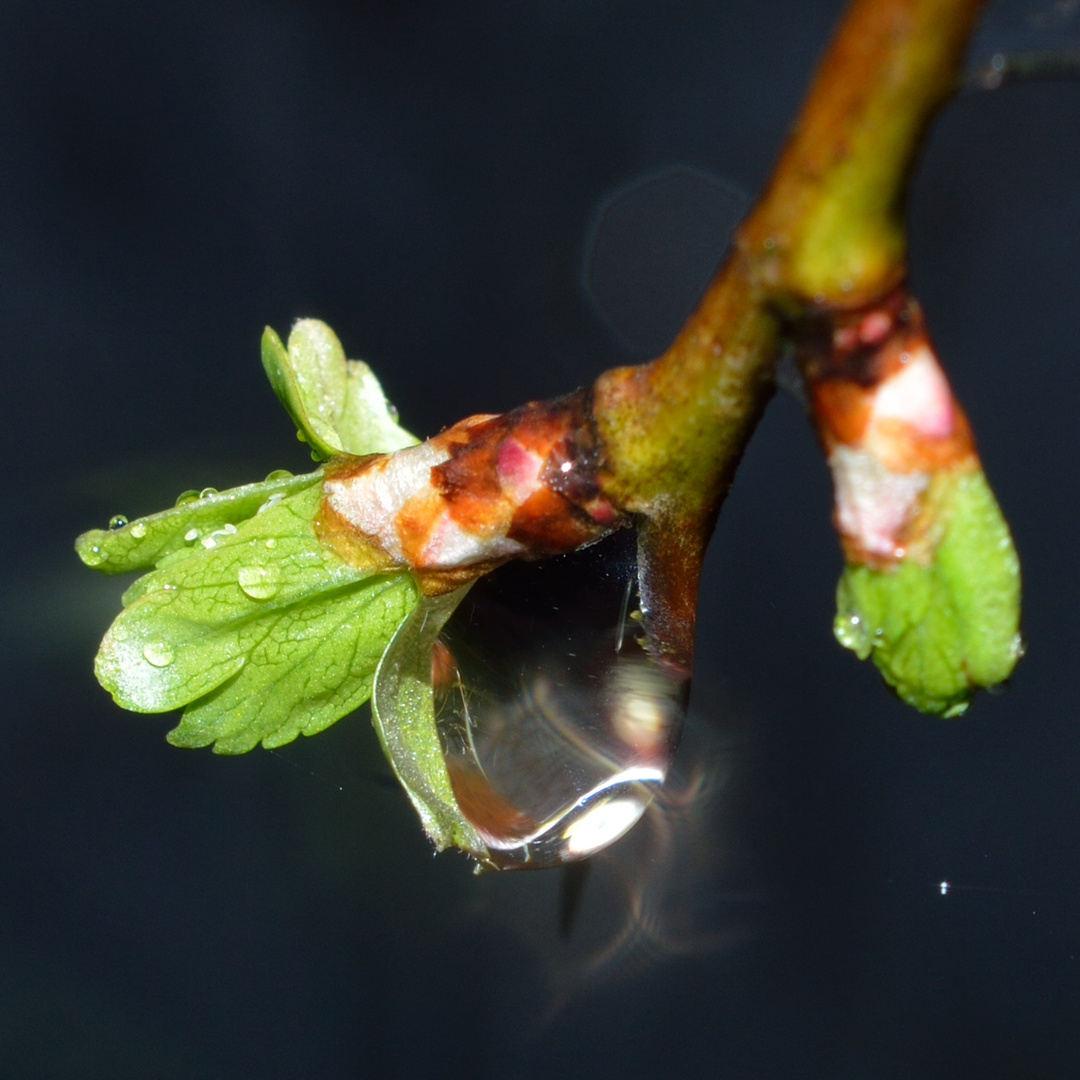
(517, 485)
(887, 419)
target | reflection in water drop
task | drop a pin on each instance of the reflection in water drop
(555, 742)
(117, 521)
(260, 582)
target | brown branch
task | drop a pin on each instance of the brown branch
(828, 232)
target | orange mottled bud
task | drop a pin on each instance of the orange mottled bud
(518, 485)
(888, 420)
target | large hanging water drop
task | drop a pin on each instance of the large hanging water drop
(558, 728)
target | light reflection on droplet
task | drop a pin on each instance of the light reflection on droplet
(605, 823)
(158, 653)
(260, 582)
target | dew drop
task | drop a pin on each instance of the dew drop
(554, 742)
(271, 542)
(850, 630)
(278, 474)
(260, 582)
(94, 556)
(207, 492)
(138, 530)
(186, 497)
(191, 536)
(158, 653)
(117, 521)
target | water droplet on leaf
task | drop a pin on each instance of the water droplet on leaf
(158, 653)
(260, 582)
(278, 474)
(117, 521)
(191, 536)
(94, 556)
(186, 497)
(852, 632)
(555, 742)
(207, 492)
(138, 530)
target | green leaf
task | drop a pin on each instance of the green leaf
(337, 404)
(403, 708)
(939, 632)
(144, 543)
(264, 633)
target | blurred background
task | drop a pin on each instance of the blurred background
(492, 203)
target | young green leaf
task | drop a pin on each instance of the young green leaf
(403, 708)
(337, 404)
(941, 631)
(194, 521)
(262, 631)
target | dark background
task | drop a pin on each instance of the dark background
(431, 180)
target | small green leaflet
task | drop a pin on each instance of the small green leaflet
(246, 617)
(336, 404)
(265, 635)
(940, 632)
(193, 521)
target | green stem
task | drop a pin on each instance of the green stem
(828, 231)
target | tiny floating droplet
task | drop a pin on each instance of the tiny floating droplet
(278, 474)
(158, 653)
(117, 521)
(260, 582)
(207, 492)
(186, 497)
(138, 530)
